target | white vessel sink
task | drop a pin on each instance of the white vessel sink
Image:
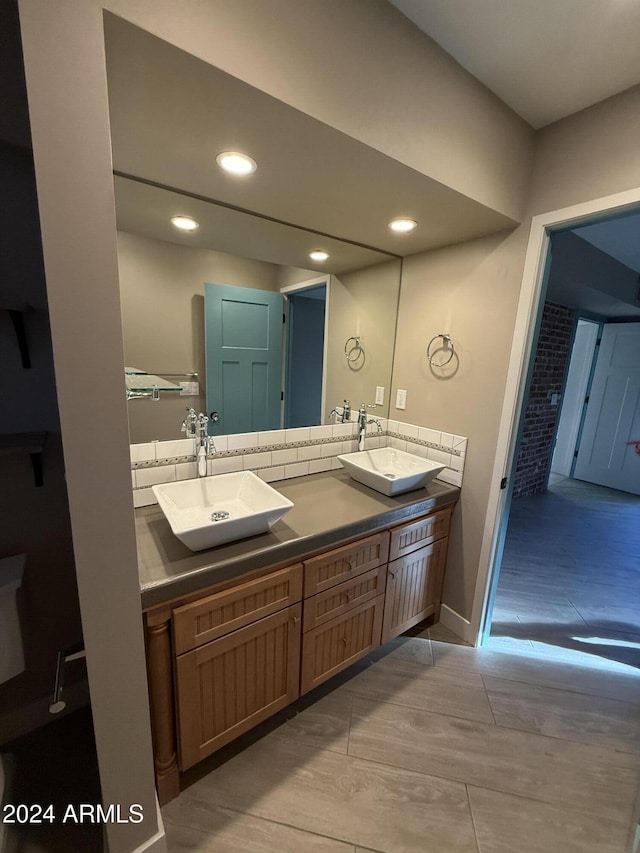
(244, 505)
(390, 471)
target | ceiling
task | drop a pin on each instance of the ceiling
(545, 59)
(619, 237)
(171, 114)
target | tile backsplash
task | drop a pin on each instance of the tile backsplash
(283, 454)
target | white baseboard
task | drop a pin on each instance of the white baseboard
(457, 623)
(158, 842)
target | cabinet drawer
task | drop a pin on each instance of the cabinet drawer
(414, 588)
(219, 614)
(334, 646)
(341, 564)
(415, 535)
(231, 684)
(344, 597)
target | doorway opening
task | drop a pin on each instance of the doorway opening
(570, 564)
(304, 368)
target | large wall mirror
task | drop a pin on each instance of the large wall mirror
(212, 304)
(314, 188)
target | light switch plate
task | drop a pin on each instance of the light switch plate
(379, 395)
(401, 399)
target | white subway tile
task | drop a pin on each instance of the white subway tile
(392, 426)
(439, 456)
(342, 430)
(431, 435)
(409, 430)
(154, 476)
(310, 452)
(143, 452)
(460, 442)
(454, 478)
(298, 434)
(170, 449)
(284, 457)
(133, 479)
(256, 460)
(398, 444)
(330, 449)
(242, 440)
(457, 463)
(316, 466)
(272, 436)
(144, 497)
(298, 469)
(446, 439)
(417, 449)
(352, 445)
(221, 443)
(186, 470)
(226, 465)
(336, 465)
(320, 432)
(269, 475)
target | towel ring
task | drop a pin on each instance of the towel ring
(354, 352)
(446, 339)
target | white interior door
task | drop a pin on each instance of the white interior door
(612, 419)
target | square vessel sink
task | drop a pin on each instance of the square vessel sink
(209, 511)
(390, 471)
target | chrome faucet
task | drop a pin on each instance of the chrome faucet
(197, 426)
(344, 414)
(363, 422)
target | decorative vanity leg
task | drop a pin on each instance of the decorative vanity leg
(160, 674)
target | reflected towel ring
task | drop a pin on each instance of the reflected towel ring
(354, 352)
(446, 340)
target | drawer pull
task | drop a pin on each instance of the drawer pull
(348, 594)
(296, 618)
(392, 574)
(344, 640)
(351, 564)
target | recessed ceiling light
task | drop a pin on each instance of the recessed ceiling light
(184, 223)
(236, 163)
(319, 255)
(403, 225)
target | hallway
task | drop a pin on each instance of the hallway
(570, 578)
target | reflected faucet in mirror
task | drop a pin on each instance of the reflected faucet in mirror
(342, 414)
(197, 426)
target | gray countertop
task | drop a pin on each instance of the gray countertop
(328, 509)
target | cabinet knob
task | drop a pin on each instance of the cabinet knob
(351, 564)
(392, 574)
(344, 640)
(349, 595)
(296, 618)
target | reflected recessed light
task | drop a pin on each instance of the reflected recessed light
(236, 163)
(184, 223)
(403, 226)
(319, 255)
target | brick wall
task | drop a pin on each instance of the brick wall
(551, 358)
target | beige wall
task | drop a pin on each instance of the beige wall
(162, 298)
(363, 303)
(469, 291)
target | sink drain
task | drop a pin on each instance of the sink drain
(219, 515)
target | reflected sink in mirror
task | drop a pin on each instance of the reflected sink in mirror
(210, 511)
(390, 471)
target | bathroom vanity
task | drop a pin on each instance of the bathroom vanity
(236, 633)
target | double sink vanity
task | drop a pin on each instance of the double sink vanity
(240, 629)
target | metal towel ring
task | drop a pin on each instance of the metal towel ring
(446, 339)
(355, 352)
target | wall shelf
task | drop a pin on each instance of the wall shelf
(28, 444)
(16, 311)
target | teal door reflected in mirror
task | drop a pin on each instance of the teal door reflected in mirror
(243, 341)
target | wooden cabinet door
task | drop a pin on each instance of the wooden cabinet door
(342, 641)
(223, 612)
(410, 537)
(341, 564)
(414, 588)
(231, 684)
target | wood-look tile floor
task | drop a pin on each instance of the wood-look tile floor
(431, 747)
